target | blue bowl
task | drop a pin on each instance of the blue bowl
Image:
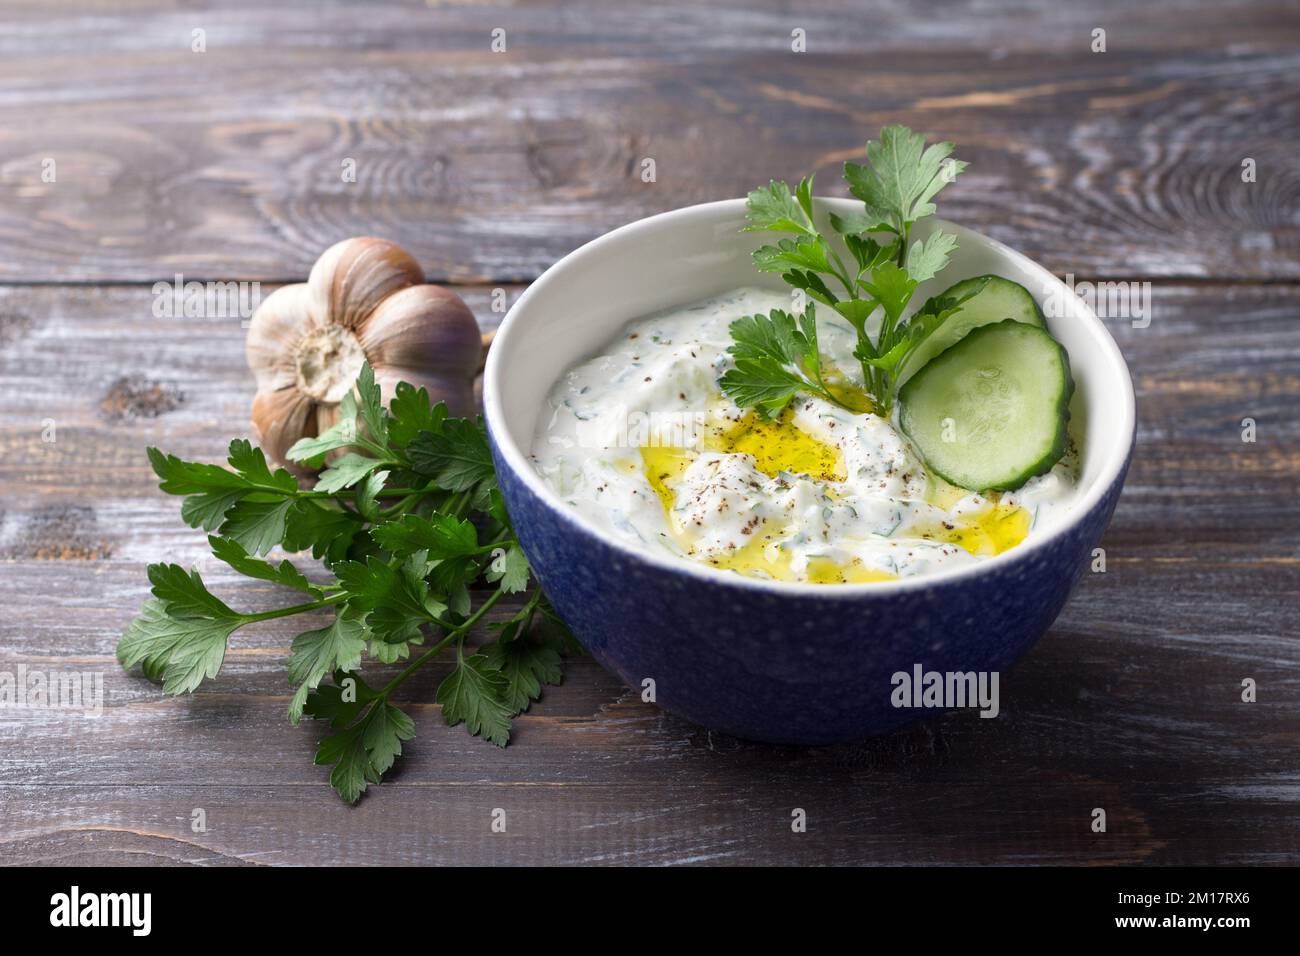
(764, 660)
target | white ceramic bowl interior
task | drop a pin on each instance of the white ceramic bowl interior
(579, 305)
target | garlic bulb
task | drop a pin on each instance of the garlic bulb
(365, 301)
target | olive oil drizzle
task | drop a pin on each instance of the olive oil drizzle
(780, 446)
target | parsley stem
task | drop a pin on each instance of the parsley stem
(409, 497)
(311, 493)
(842, 273)
(455, 505)
(457, 632)
(295, 609)
(384, 493)
(504, 540)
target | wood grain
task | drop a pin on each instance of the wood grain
(227, 164)
(1131, 702)
(490, 166)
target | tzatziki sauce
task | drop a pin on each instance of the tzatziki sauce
(642, 443)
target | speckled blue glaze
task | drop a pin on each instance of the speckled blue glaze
(806, 668)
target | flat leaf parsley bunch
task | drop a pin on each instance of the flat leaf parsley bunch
(406, 520)
(776, 355)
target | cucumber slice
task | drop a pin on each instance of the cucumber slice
(992, 411)
(1000, 299)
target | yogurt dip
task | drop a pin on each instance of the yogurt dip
(642, 443)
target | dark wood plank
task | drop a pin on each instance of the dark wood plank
(1110, 710)
(1132, 701)
(227, 164)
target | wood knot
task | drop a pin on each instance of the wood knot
(134, 396)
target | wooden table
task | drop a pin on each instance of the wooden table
(226, 165)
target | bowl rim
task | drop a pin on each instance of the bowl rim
(517, 460)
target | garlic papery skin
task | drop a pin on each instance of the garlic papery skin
(365, 301)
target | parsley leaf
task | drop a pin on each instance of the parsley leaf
(775, 359)
(233, 553)
(369, 733)
(927, 259)
(341, 702)
(410, 413)
(396, 597)
(367, 496)
(901, 177)
(514, 575)
(477, 693)
(208, 510)
(257, 526)
(510, 569)
(404, 552)
(372, 406)
(250, 464)
(442, 536)
(456, 457)
(361, 753)
(774, 209)
(386, 728)
(858, 222)
(526, 666)
(387, 652)
(346, 472)
(185, 594)
(182, 651)
(314, 654)
(328, 532)
(346, 752)
(766, 387)
(789, 254)
(891, 287)
(191, 477)
(867, 253)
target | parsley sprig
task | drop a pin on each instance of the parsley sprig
(407, 518)
(864, 268)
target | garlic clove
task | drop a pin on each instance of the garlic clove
(280, 417)
(277, 327)
(452, 388)
(423, 327)
(354, 276)
(327, 416)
